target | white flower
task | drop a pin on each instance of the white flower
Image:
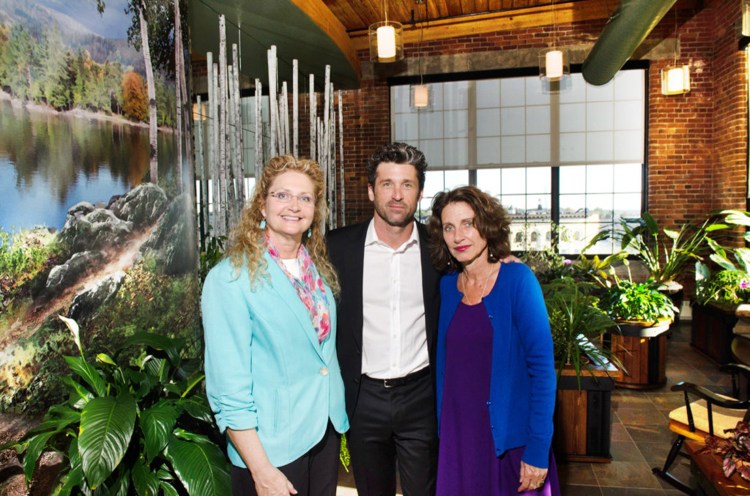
(73, 326)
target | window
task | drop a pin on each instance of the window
(573, 158)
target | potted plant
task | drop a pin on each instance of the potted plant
(643, 314)
(586, 371)
(734, 450)
(665, 260)
(133, 424)
(721, 293)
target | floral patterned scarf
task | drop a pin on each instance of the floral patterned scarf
(309, 288)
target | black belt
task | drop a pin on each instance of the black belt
(399, 381)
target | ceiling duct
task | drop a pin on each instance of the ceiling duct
(625, 31)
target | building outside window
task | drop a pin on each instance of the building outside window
(565, 164)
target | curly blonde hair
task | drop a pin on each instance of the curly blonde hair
(247, 244)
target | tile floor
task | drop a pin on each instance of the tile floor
(640, 437)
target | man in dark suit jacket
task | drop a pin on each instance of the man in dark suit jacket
(387, 318)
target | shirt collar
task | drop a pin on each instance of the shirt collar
(372, 237)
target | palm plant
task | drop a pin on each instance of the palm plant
(664, 260)
(577, 324)
(141, 428)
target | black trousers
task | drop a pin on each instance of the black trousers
(393, 425)
(313, 474)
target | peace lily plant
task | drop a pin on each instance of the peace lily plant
(139, 427)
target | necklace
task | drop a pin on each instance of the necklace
(484, 286)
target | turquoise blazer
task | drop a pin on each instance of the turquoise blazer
(265, 369)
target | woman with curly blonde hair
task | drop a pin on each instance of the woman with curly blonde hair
(272, 376)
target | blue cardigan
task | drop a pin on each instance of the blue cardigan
(265, 369)
(523, 383)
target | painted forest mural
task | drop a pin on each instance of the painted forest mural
(97, 214)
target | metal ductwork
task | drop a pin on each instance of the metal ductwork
(625, 31)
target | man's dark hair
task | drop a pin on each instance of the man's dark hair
(398, 153)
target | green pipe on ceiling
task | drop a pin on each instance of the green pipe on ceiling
(625, 31)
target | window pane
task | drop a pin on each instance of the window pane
(599, 178)
(599, 163)
(488, 180)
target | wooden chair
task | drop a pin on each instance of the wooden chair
(711, 413)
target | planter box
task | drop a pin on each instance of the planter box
(712, 331)
(583, 419)
(642, 352)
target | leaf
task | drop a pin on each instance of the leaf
(168, 489)
(158, 342)
(157, 423)
(88, 373)
(104, 358)
(107, 425)
(36, 446)
(672, 234)
(145, 482)
(77, 390)
(650, 223)
(71, 480)
(58, 418)
(197, 407)
(201, 467)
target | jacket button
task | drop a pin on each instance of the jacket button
(323, 371)
(489, 403)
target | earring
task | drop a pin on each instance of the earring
(262, 224)
(309, 232)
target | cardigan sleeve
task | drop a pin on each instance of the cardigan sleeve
(536, 341)
(228, 333)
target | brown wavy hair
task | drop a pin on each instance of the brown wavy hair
(247, 244)
(490, 219)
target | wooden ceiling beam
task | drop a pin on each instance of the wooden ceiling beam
(560, 13)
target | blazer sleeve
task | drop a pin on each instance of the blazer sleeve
(228, 332)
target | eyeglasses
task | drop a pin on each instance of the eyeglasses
(284, 197)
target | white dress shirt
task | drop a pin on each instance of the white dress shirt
(394, 337)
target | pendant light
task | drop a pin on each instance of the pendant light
(554, 62)
(419, 94)
(675, 80)
(385, 38)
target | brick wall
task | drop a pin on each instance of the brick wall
(697, 143)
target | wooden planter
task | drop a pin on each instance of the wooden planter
(712, 331)
(641, 349)
(583, 419)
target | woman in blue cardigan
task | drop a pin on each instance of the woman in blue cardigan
(496, 379)
(272, 376)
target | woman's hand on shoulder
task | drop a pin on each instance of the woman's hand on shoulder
(272, 482)
(510, 259)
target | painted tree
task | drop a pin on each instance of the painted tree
(134, 99)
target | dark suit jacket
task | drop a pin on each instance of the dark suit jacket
(346, 247)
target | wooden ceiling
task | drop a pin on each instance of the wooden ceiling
(357, 15)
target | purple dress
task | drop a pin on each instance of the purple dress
(467, 464)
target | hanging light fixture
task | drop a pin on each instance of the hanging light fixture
(385, 37)
(554, 62)
(675, 80)
(419, 94)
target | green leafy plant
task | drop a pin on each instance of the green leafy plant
(667, 258)
(637, 301)
(577, 325)
(730, 284)
(137, 428)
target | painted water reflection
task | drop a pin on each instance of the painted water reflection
(49, 162)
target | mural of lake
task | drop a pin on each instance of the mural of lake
(49, 162)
